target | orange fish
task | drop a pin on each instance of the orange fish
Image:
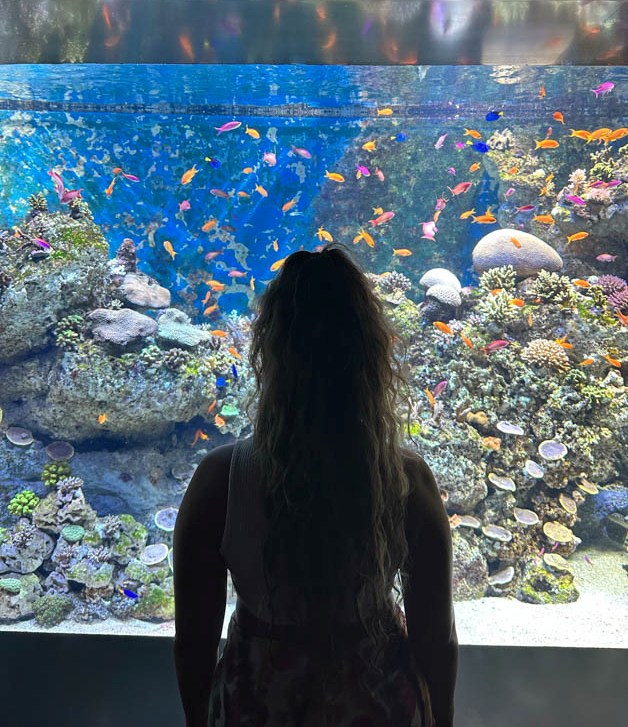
(189, 175)
(261, 190)
(186, 46)
(474, 167)
(546, 144)
(211, 309)
(109, 189)
(558, 116)
(586, 362)
(402, 252)
(484, 219)
(613, 361)
(576, 236)
(518, 302)
(277, 264)
(169, 249)
(215, 285)
(443, 327)
(580, 134)
(542, 92)
(430, 398)
(622, 318)
(234, 352)
(495, 291)
(544, 219)
(515, 242)
(199, 435)
(563, 342)
(276, 245)
(599, 134)
(102, 418)
(243, 194)
(513, 170)
(289, 205)
(384, 112)
(530, 319)
(209, 224)
(211, 407)
(472, 133)
(581, 283)
(219, 421)
(247, 170)
(467, 341)
(208, 295)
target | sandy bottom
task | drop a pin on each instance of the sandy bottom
(597, 619)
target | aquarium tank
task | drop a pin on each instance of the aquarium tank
(144, 209)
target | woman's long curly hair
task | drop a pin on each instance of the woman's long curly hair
(327, 437)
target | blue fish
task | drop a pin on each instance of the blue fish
(234, 371)
(480, 146)
(494, 115)
(128, 593)
(400, 137)
(221, 382)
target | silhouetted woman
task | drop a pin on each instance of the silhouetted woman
(314, 516)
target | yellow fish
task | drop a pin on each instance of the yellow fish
(189, 175)
(384, 112)
(364, 235)
(378, 210)
(466, 214)
(276, 245)
(322, 234)
(252, 283)
(169, 249)
(253, 133)
(277, 265)
(261, 190)
(369, 146)
(334, 176)
(402, 252)
(576, 236)
(215, 285)
(102, 418)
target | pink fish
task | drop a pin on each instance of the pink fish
(379, 174)
(229, 126)
(542, 550)
(270, 158)
(301, 152)
(429, 230)
(603, 88)
(363, 170)
(525, 208)
(597, 183)
(460, 188)
(184, 206)
(460, 145)
(509, 192)
(452, 170)
(42, 243)
(496, 345)
(555, 546)
(440, 142)
(59, 186)
(441, 203)
(69, 195)
(130, 177)
(439, 388)
(574, 199)
(606, 258)
(219, 193)
(385, 217)
(211, 255)
(614, 183)
(237, 274)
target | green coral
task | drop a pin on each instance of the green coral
(51, 609)
(151, 357)
(603, 165)
(156, 602)
(554, 288)
(73, 533)
(498, 308)
(12, 585)
(53, 472)
(23, 503)
(502, 277)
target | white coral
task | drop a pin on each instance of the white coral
(440, 276)
(444, 294)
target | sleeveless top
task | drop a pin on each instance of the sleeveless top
(242, 547)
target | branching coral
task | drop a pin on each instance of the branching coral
(503, 277)
(543, 352)
(554, 288)
(498, 308)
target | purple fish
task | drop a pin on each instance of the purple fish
(131, 177)
(439, 388)
(460, 145)
(614, 183)
(229, 126)
(606, 258)
(496, 345)
(596, 184)
(42, 243)
(575, 199)
(69, 195)
(184, 206)
(59, 186)
(509, 191)
(429, 230)
(603, 88)
(440, 204)
(440, 142)
(451, 170)
(363, 170)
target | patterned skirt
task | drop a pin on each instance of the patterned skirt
(251, 689)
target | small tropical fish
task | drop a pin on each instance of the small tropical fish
(169, 249)
(613, 361)
(474, 167)
(586, 362)
(237, 274)
(530, 319)
(441, 203)
(219, 193)
(546, 144)
(518, 302)
(208, 295)
(211, 255)
(574, 199)
(127, 592)
(563, 342)
(430, 398)
(558, 116)
(495, 345)
(472, 133)
(384, 217)
(323, 234)
(576, 236)
(548, 133)
(606, 258)
(555, 546)
(102, 418)
(581, 283)
(379, 174)
(622, 318)
(542, 92)
(443, 327)
(580, 134)
(109, 189)
(209, 224)
(400, 137)
(212, 406)
(269, 158)
(362, 171)
(509, 192)
(252, 284)
(460, 188)
(459, 145)
(213, 162)
(247, 170)
(402, 252)
(243, 194)
(439, 388)
(276, 245)
(385, 112)
(334, 176)
(367, 238)
(184, 206)
(466, 214)
(495, 291)
(189, 175)
(219, 332)
(603, 88)
(587, 559)
(260, 190)
(210, 310)
(493, 115)
(234, 371)
(215, 285)
(512, 170)
(304, 153)
(199, 434)
(276, 265)
(234, 352)
(219, 421)
(229, 126)
(440, 141)
(429, 230)
(378, 210)
(130, 177)
(525, 208)
(253, 133)
(466, 340)
(480, 146)
(485, 219)
(515, 242)
(41, 243)
(369, 146)
(289, 205)
(69, 195)
(543, 219)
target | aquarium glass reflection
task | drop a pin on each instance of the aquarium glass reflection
(144, 208)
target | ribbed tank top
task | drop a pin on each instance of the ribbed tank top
(246, 528)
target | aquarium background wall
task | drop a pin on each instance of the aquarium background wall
(144, 209)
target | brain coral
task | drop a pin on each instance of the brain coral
(444, 294)
(497, 249)
(543, 352)
(120, 326)
(440, 276)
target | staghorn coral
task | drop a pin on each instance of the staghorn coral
(543, 352)
(554, 288)
(502, 277)
(23, 535)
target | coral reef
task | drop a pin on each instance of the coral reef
(542, 352)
